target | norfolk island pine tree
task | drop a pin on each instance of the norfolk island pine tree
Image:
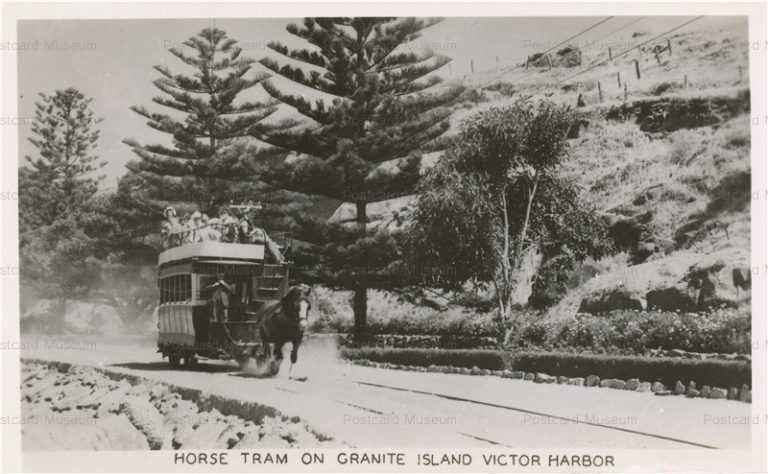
(377, 108)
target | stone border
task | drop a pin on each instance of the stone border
(742, 394)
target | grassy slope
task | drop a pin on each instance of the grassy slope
(684, 174)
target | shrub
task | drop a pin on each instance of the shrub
(481, 358)
(725, 330)
(720, 373)
(663, 87)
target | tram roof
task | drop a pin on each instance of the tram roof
(214, 252)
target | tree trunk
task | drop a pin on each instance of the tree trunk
(360, 299)
(360, 309)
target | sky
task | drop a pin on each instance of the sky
(112, 60)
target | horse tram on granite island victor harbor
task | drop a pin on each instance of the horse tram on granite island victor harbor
(225, 293)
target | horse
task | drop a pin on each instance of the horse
(287, 324)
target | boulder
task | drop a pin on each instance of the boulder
(679, 388)
(692, 393)
(632, 384)
(744, 394)
(613, 383)
(718, 393)
(682, 281)
(562, 379)
(733, 393)
(517, 374)
(529, 376)
(616, 298)
(544, 378)
(592, 381)
(706, 391)
(643, 387)
(657, 387)
(578, 381)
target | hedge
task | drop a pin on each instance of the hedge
(668, 370)
(481, 358)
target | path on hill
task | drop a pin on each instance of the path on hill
(370, 407)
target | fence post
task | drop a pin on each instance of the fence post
(741, 73)
(625, 91)
(685, 81)
(549, 61)
(637, 68)
(658, 59)
(497, 63)
(526, 62)
(472, 65)
(618, 78)
(669, 46)
(599, 92)
(610, 55)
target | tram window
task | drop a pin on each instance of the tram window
(176, 288)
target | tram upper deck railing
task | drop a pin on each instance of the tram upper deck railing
(212, 249)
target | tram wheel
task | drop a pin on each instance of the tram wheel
(190, 361)
(174, 360)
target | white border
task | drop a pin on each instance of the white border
(11, 12)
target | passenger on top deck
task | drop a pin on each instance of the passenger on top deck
(228, 226)
(170, 229)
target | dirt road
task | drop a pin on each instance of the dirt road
(377, 408)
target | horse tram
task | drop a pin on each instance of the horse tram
(223, 300)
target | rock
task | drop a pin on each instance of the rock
(612, 299)
(671, 299)
(476, 370)
(592, 381)
(706, 391)
(679, 388)
(744, 394)
(680, 281)
(718, 393)
(529, 376)
(632, 384)
(643, 387)
(485, 372)
(578, 381)
(517, 374)
(692, 393)
(613, 383)
(562, 379)
(432, 368)
(657, 387)
(733, 393)
(663, 393)
(544, 378)
(497, 373)
(506, 373)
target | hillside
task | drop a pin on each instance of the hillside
(669, 167)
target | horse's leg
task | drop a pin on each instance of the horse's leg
(294, 354)
(295, 350)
